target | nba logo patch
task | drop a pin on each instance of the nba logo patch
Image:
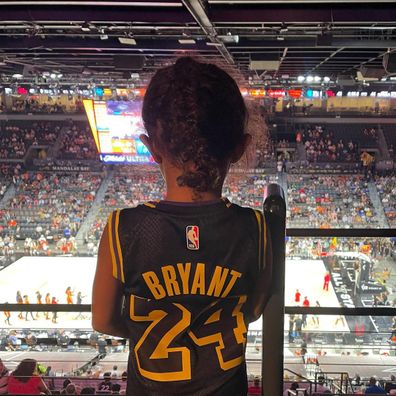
(192, 237)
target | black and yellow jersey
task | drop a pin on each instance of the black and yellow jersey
(187, 271)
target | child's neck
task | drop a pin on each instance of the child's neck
(176, 193)
(184, 194)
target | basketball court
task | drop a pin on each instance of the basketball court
(307, 276)
(54, 274)
(48, 275)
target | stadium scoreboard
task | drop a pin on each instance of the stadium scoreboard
(116, 127)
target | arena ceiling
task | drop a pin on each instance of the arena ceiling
(260, 42)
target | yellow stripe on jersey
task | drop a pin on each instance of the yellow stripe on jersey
(259, 218)
(111, 245)
(118, 246)
(265, 232)
(228, 204)
(150, 205)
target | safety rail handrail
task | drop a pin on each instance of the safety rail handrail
(358, 311)
(341, 232)
(311, 383)
(341, 374)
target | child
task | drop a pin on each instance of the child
(188, 266)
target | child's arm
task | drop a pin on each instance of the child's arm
(107, 295)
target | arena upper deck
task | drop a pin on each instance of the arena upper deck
(262, 43)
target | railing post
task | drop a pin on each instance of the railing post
(274, 210)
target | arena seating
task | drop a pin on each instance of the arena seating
(247, 190)
(78, 143)
(30, 105)
(329, 202)
(322, 144)
(127, 188)
(17, 136)
(386, 187)
(48, 205)
(6, 176)
(390, 136)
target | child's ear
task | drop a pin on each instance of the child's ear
(151, 147)
(247, 139)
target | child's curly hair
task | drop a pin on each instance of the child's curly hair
(195, 112)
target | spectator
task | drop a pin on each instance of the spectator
(24, 380)
(106, 385)
(71, 389)
(87, 391)
(373, 388)
(255, 389)
(390, 385)
(115, 389)
(114, 373)
(293, 387)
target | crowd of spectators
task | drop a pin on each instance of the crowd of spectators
(8, 174)
(30, 104)
(48, 209)
(127, 188)
(329, 202)
(386, 187)
(246, 190)
(322, 146)
(17, 137)
(33, 377)
(12, 144)
(265, 153)
(78, 143)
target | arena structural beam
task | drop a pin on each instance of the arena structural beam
(274, 209)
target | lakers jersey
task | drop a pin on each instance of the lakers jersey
(188, 271)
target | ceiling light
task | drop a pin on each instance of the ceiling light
(214, 44)
(53, 75)
(383, 79)
(300, 79)
(229, 38)
(127, 40)
(310, 79)
(17, 75)
(135, 76)
(326, 79)
(284, 28)
(317, 79)
(104, 36)
(280, 38)
(85, 27)
(187, 41)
